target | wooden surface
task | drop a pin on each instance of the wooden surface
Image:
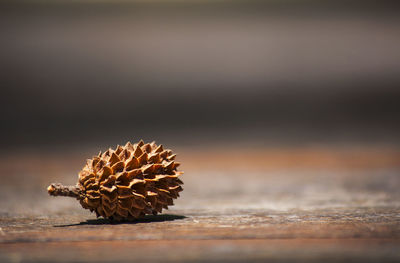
(238, 204)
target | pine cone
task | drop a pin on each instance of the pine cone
(126, 183)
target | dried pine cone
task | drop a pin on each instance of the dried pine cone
(126, 183)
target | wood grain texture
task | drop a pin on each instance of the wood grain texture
(287, 204)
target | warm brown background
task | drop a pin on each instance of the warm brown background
(284, 115)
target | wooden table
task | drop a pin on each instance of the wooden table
(240, 204)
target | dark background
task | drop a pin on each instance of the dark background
(284, 115)
(197, 73)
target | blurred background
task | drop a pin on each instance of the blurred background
(285, 115)
(194, 73)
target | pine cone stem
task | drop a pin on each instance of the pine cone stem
(62, 190)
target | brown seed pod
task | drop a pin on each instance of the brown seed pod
(126, 183)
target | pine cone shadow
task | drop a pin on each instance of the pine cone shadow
(146, 219)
